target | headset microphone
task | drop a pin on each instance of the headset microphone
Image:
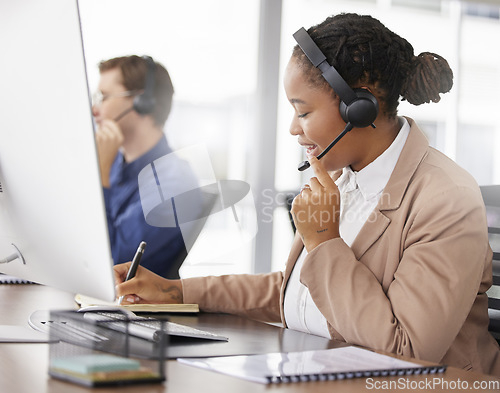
(128, 110)
(305, 164)
(358, 107)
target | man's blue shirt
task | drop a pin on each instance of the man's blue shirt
(126, 222)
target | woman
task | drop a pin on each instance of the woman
(392, 250)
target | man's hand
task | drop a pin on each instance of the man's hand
(109, 138)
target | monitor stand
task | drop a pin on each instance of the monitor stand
(13, 333)
(16, 255)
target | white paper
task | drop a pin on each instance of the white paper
(22, 334)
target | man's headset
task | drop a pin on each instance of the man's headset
(144, 103)
(358, 107)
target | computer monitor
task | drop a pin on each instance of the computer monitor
(52, 216)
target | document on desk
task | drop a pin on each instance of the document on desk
(318, 365)
(22, 334)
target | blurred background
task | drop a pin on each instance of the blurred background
(226, 59)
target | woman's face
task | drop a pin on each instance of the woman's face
(317, 120)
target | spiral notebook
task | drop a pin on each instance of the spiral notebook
(8, 279)
(326, 364)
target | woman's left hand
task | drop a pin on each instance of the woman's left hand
(316, 210)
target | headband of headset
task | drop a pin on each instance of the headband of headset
(358, 107)
(144, 103)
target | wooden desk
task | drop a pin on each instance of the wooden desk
(23, 367)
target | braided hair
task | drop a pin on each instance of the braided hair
(364, 51)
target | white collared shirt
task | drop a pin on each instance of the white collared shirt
(360, 193)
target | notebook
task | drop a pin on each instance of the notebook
(327, 364)
(8, 279)
(88, 303)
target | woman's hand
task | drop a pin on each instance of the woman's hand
(146, 286)
(316, 210)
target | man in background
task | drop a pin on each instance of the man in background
(130, 108)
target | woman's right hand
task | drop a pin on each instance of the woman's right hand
(146, 286)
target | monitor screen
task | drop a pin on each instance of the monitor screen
(53, 226)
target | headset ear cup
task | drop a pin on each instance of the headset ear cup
(362, 112)
(144, 104)
(343, 111)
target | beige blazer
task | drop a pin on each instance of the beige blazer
(412, 283)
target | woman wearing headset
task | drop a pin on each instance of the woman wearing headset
(392, 250)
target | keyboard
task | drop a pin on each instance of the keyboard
(149, 328)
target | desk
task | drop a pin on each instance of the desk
(23, 367)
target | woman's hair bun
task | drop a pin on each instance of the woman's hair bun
(430, 75)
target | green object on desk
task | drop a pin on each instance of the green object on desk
(87, 364)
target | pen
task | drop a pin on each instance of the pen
(135, 264)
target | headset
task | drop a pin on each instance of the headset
(144, 103)
(358, 107)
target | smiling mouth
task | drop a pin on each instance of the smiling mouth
(310, 149)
